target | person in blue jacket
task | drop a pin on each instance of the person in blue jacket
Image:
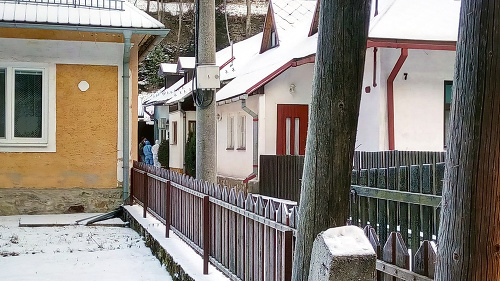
(148, 155)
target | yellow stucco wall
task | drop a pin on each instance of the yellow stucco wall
(24, 33)
(86, 135)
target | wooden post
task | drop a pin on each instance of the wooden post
(288, 255)
(145, 203)
(131, 187)
(206, 232)
(167, 209)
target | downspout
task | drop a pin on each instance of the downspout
(374, 67)
(255, 141)
(390, 96)
(127, 34)
(183, 136)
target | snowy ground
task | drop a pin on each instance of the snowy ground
(74, 253)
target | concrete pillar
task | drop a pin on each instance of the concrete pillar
(342, 254)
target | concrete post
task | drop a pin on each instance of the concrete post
(206, 153)
(342, 254)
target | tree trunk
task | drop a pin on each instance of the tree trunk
(248, 27)
(180, 28)
(469, 234)
(331, 136)
(147, 6)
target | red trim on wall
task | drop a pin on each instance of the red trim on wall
(412, 44)
(390, 96)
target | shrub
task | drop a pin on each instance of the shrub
(190, 155)
(163, 153)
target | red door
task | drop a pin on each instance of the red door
(292, 129)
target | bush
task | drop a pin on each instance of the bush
(190, 155)
(163, 153)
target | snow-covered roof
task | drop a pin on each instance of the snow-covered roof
(290, 15)
(162, 94)
(417, 20)
(102, 13)
(167, 68)
(293, 20)
(185, 63)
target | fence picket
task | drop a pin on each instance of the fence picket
(372, 203)
(363, 201)
(392, 205)
(240, 238)
(427, 211)
(396, 253)
(249, 239)
(270, 243)
(259, 241)
(403, 207)
(415, 209)
(382, 206)
(425, 259)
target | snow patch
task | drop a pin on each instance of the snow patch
(347, 241)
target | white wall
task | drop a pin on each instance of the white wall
(419, 100)
(176, 153)
(236, 163)
(278, 92)
(371, 115)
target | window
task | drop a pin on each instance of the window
(241, 132)
(174, 133)
(23, 106)
(230, 132)
(448, 91)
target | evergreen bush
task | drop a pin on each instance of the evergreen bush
(190, 154)
(163, 153)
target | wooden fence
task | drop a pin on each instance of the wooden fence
(280, 175)
(395, 158)
(401, 206)
(247, 237)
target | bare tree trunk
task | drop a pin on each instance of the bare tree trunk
(147, 6)
(469, 234)
(180, 27)
(160, 10)
(248, 27)
(331, 136)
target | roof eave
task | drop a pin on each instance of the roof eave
(412, 44)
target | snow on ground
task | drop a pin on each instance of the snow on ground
(233, 9)
(74, 253)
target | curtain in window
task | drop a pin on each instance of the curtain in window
(28, 104)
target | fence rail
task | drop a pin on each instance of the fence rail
(247, 237)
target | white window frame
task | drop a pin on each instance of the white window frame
(241, 132)
(47, 143)
(230, 132)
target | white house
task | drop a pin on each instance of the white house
(408, 72)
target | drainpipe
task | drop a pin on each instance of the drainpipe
(127, 34)
(375, 67)
(183, 136)
(255, 141)
(390, 95)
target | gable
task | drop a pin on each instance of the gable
(269, 36)
(315, 21)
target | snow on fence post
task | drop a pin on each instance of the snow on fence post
(343, 254)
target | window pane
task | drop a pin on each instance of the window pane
(2, 103)
(28, 104)
(287, 134)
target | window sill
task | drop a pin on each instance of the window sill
(230, 148)
(241, 148)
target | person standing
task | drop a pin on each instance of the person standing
(141, 152)
(148, 155)
(154, 150)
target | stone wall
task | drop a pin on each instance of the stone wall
(35, 201)
(238, 184)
